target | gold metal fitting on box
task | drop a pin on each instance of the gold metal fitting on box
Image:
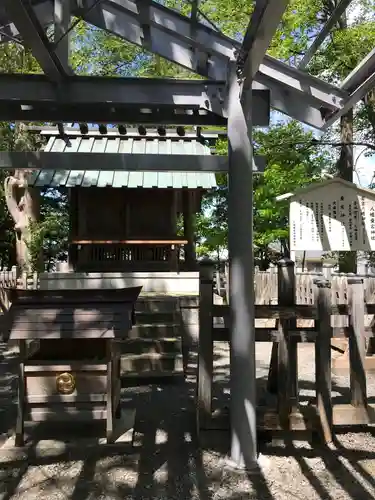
(65, 383)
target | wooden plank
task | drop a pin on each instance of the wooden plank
(20, 421)
(357, 347)
(65, 398)
(340, 365)
(117, 161)
(69, 322)
(323, 377)
(49, 366)
(306, 419)
(56, 298)
(77, 320)
(348, 415)
(205, 349)
(345, 332)
(221, 334)
(272, 311)
(268, 419)
(43, 384)
(131, 242)
(86, 296)
(110, 387)
(298, 311)
(64, 315)
(64, 414)
(66, 330)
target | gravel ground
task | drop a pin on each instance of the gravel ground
(166, 462)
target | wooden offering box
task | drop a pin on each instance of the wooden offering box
(74, 371)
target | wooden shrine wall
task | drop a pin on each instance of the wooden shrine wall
(122, 213)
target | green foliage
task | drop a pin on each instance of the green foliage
(14, 58)
(293, 162)
(100, 53)
(97, 52)
(49, 236)
(345, 50)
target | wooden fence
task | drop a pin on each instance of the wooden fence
(285, 333)
(266, 287)
(265, 283)
(11, 279)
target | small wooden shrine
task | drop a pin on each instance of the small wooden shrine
(123, 221)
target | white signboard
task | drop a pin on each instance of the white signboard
(333, 217)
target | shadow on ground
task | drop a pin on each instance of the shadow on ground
(169, 462)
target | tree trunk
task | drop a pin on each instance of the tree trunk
(369, 102)
(23, 205)
(345, 165)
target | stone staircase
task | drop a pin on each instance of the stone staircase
(154, 348)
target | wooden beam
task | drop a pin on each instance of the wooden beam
(130, 242)
(306, 419)
(125, 162)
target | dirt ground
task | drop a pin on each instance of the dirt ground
(167, 462)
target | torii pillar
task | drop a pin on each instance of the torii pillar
(241, 286)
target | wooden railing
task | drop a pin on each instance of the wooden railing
(127, 254)
(285, 335)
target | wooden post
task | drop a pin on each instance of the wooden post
(323, 375)
(284, 354)
(205, 346)
(110, 386)
(327, 270)
(20, 422)
(357, 345)
(73, 229)
(173, 258)
(287, 370)
(227, 278)
(189, 228)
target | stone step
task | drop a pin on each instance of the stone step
(146, 317)
(154, 331)
(151, 365)
(156, 305)
(152, 346)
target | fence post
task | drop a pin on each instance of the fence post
(357, 344)
(227, 278)
(272, 372)
(205, 345)
(323, 374)
(217, 280)
(14, 276)
(327, 270)
(283, 373)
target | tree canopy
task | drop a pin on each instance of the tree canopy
(293, 158)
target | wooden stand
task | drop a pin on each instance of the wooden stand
(77, 378)
(95, 385)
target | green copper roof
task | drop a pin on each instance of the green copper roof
(118, 178)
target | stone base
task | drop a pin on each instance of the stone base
(165, 282)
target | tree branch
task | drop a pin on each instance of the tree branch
(10, 185)
(341, 144)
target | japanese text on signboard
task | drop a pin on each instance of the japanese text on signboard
(333, 218)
